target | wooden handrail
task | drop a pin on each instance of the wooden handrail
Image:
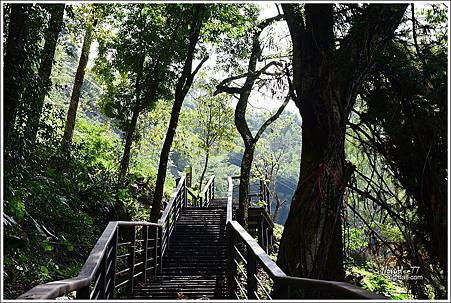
(99, 254)
(56, 289)
(237, 232)
(207, 185)
(171, 200)
(207, 193)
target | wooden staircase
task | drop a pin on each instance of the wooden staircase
(194, 265)
(195, 251)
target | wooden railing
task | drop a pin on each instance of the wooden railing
(265, 195)
(172, 212)
(252, 274)
(208, 193)
(261, 193)
(125, 254)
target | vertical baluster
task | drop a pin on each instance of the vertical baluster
(146, 246)
(213, 189)
(261, 194)
(269, 200)
(251, 269)
(160, 248)
(157, 237)
(131, 258)
(103, 279)
(211, 194)
(114, 264)
(185, 195)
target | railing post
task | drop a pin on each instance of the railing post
(213, 189)
(114, 263)
(160, 249)
(185, 195)
(268, 200)
(103, 272)
(83, 293)
(281, 291)
(166, 235)
(157, 247)
(261, 238)
(251, 269)
(231, 266)
(131, 258)
(145, 247)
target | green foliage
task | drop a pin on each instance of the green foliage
(356, 240)
(206, 130)
(378, 283)
(277, 233)
(99, 145)
(277, 157)
(56, 204)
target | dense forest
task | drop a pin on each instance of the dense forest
(340, 109)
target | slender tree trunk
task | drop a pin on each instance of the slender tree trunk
(182, 87)
(150, 95)
(240, 115)
(207, 156)
(164, 157)
(14, 65)
(79, 77)
(277, 207)
(245, 175)
(128, 143)
(45, 68)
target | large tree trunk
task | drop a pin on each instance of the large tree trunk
(14, 65)
(45, 68)
(312, 231)
(325, 84)
(79, 77)
(245, 175)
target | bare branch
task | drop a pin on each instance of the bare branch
(273, 118)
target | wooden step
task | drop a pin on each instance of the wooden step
(195, 260)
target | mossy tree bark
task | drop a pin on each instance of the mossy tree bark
(78, 83)
(14, 65)
(45, 67)
(325, 83)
